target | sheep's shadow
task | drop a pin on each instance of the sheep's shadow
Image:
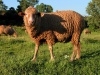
(58, 25)
(91, 55)
(91, 41)
(53, 22)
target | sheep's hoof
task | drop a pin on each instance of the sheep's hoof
(33, 60)
(71, 60)
(77, 58)
(74, 59)
(52, 60)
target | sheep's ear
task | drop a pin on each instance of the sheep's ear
(21, 14)
(40, 14)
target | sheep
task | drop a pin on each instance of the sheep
(7, 30)
(60, 26)
(87, 31)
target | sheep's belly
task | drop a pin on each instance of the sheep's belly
(62, 37)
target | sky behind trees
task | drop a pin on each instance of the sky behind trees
(76, 5)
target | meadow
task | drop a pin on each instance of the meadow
(16, 55)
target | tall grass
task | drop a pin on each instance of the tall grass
(16, 55)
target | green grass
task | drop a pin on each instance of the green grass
(16, 55)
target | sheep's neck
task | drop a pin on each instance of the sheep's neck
(32, 31)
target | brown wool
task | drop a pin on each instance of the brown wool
(7, 30)
(63, 26)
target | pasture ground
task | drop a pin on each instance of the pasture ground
(16, 55)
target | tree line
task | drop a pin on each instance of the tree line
(93, 9)
(10, 16)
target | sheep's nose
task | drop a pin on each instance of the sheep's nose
(30, 21)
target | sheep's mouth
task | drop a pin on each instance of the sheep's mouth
(32, 23)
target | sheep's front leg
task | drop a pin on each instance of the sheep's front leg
(35, 53)
(51, 52)
(76, 43)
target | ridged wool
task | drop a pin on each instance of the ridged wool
(57, 26)
(63, 26)
(7, 30)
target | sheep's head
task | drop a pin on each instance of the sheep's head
(32, 15)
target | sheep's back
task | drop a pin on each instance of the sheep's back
(8, 30)
(63, 23)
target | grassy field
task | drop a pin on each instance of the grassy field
(16, 55)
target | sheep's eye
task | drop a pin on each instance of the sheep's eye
(26, 15)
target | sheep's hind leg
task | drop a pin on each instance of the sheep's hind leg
(76, 49)
(78, 52)
(51, 52)
(74, 53)
(35, 53)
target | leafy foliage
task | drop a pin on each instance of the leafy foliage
(25, 3)
(44, 8)
(2, 6)
(10, 16)
(93, 9)
(19, 9)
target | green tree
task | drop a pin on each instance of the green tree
(44, 8)
(93, 9)
(2, 6)
(19, 9)
(26, 3)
